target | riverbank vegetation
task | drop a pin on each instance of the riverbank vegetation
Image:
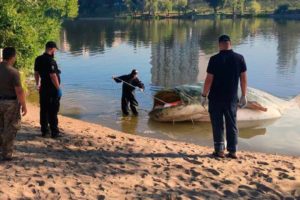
(27, 25)
(183, 8)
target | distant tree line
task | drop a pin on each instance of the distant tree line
(154, 7)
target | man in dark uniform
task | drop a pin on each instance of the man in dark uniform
(47, 77)
(224, 72)
(130, 81)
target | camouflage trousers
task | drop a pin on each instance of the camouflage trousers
(10, 123)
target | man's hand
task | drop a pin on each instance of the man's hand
(113, 77)
(203, 100)
(24, 109)
(38, 87)
(142, 89)
(59, 93)
(243, 102)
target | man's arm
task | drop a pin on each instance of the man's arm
(119, 79)
(207, 84)
(244, 83)
(37, 78)
(21, 98)
(55, 81)
(139, 84)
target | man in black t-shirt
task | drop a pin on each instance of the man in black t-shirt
(130, 81)
(224, 72)
(47, 76)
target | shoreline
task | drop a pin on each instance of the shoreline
(95, 162)
(199, 17)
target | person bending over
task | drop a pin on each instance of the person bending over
(130, 82)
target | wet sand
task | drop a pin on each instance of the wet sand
(95, 162)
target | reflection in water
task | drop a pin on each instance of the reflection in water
(287, 45)
(129, 124)
(173, 52)
(175, 61)
(197, 131)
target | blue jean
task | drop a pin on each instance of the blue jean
(218, 112)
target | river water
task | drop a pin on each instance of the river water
(169, 53)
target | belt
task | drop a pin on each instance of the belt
(8, 98)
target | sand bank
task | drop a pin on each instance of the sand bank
(95, 162)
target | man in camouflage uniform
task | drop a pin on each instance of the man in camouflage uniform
(12, 99)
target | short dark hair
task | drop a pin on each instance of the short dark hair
(134, 72)
(224, 38)
(8, 53)
(51, 45)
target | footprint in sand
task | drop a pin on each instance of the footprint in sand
(216, 185)
(283, 175)
(51, 189)
(101, 187)
(139, 187)
(227, 182)
(193, 161)
(281, 169)
(40, 182)
(181, 178)
(178, 166)
(143, 175)
(213, 171)
(265, 189)
(156, 166)
(100, 197)
(229, 194)
(262, 163)
(111, 136)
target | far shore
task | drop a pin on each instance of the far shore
(94, 162)
(198, 16)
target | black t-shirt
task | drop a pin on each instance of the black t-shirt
(226, 67)
(127, 89)
(46, 65)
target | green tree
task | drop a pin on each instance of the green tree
(169, 6)
(181, 6)
(215, 4)
(162, 6)
(131, 5)
(236, 6)
(282, 9)
(165, 6)
(255, 7)
(27, 25)
(151, 6)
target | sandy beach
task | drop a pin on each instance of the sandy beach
(94, 162)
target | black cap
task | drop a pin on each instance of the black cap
(224, 38)
(134, 72)
(51, 45)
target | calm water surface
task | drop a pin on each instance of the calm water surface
(169, 53)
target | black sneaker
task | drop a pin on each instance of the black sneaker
(45, 134)
(7, 159)
(232, 155)
(219, 154)
(55, 135)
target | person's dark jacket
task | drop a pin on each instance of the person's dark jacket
(127, 89)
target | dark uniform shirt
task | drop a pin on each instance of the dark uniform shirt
(46, 65)
(226, 67)
(127, 89)
(9, 79)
